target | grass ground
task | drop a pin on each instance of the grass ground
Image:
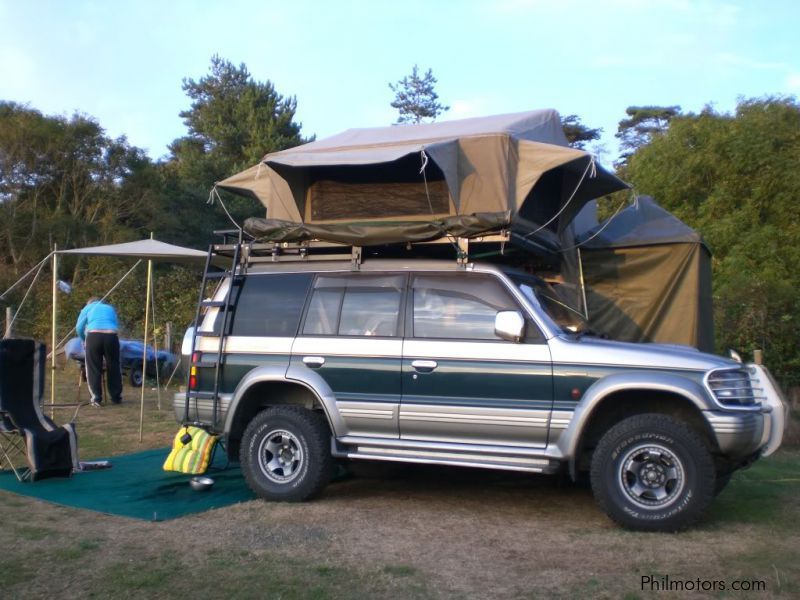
(392, 531)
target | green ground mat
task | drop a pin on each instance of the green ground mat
(136, 487)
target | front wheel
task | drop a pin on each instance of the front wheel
(285, 454)
(652, 473)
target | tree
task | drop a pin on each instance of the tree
(577, 133)
(642, 125)
(735, 179)
(233, 122)
(415, 98)
(62, 181)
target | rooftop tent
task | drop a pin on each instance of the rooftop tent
(648, 278)
(513, 171)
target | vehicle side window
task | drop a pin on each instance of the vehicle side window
(458, 307)
(268, 305)
(355, 305)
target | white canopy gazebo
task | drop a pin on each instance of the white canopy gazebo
(148, 249)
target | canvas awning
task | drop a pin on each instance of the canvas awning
(148, 249)
(431, 171)
(144, 249)
(648, 278)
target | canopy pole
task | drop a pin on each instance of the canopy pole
(53, 334)
(144, 351)
(583, 286)
(155, 342)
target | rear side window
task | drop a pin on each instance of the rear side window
(269, 305)
(355, 305)
(462, 307)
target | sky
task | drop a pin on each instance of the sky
(123, 62)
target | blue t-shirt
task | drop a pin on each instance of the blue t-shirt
(96, 315)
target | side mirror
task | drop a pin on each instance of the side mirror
(509, 325)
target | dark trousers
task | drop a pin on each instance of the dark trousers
(98, 347)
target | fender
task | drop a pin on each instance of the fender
(662, 382)
(299, 375)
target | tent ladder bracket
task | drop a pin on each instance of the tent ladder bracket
(355, 258)
(462, 256)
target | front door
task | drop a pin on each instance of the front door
(462, 383)
(351, 336)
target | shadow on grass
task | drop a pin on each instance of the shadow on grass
(763, 494)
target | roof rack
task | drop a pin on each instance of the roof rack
(252, 252)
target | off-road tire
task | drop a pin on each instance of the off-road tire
(651, 472)
(285, 454)
(136, 375)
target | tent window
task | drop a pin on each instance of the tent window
(333, 200)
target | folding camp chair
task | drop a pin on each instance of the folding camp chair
(49, 450)
(12, 449)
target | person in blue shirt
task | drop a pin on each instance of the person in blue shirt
(98, 327)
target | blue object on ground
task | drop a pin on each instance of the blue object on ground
(129, 350)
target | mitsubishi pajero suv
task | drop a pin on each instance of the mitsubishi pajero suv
(423, 361)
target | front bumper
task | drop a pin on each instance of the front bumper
(775, 409)
(757, 430)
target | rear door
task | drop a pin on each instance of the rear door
(462, 383)
(351, 336)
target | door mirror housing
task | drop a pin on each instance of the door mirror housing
(509, 325)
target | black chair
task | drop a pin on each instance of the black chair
(50, 450)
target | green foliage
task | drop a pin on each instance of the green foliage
(643, 124)
(233, 122)
(59, 183)
(735, 179)
(578, 134)
(62, 181)
(415, 97)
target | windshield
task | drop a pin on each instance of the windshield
(545, 295)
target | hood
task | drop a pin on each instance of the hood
(592, 350)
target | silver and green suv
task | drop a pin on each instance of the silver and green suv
(471, 365)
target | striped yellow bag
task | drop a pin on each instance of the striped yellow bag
(191, 455)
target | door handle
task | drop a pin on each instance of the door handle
(424, 366)
(313, 361)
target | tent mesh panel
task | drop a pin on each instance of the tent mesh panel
(333, 200)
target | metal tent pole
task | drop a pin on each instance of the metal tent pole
(144, 351)
(155, 342)
(53, 334)
(583, 286)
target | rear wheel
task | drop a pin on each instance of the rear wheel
(652, 473)
(285, 454)
(136, 376)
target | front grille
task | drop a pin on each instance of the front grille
(732, 387)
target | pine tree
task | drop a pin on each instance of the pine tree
(416, 99)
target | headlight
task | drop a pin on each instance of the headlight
(732, 387)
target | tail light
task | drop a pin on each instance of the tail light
(196, 358)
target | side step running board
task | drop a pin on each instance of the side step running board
(459, 455)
